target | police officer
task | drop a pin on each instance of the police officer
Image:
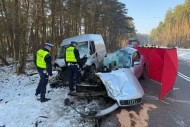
(74, 64)
(44, 67)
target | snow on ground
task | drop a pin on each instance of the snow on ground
(19, 106)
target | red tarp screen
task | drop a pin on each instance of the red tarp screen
(161, 66)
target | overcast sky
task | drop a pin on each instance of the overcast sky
(148, 13)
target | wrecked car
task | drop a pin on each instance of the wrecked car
(118, 78)
(126, 66)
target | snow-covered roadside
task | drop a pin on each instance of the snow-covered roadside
(19, 106)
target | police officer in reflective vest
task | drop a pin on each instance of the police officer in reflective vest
(44, 67)
(74, 64)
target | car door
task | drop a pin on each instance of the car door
(93, 53)
(136, 63)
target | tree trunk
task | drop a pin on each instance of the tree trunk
(4, 60)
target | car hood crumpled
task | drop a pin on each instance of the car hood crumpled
(121, 84)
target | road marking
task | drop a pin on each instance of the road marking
(167, 99)
(164, 102)
(156, 98)
(176, 100)
(184, 76)
(175, 88)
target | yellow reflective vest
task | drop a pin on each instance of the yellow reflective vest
(40, 62)
(70, 56)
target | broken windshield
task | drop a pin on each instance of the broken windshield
(81, 46)
(120, 58)
(61, 52)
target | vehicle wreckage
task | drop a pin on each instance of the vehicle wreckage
(116, 76)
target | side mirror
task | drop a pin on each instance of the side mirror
(136, 63)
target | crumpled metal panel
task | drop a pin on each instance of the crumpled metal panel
(121, 84)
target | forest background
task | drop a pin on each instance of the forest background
(25, 25)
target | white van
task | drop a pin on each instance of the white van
(91, 48)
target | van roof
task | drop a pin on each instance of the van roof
(81, 38)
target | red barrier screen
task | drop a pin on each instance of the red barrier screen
(162, 66)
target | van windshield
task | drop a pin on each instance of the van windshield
(61, 52)
(82, 47)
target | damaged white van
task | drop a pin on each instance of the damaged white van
(91, 48)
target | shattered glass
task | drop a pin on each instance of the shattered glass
(118, 59)
(83, 47)
(61, 52)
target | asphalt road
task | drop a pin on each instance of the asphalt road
(172, 111)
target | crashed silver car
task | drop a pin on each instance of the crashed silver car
(118, 80)
(124, 67)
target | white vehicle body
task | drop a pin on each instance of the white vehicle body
(89, 45)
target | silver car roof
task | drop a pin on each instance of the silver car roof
(129, 50)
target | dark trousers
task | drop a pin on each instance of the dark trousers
(74, 70)
(41, 89)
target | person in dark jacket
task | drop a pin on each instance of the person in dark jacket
(44, 67)
(74, 64)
